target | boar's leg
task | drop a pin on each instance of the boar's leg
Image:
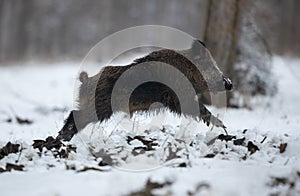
(208, 118)
(82, 118)
(69, 129)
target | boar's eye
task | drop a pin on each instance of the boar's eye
(70, 127)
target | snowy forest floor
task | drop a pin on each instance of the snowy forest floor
(263, 157)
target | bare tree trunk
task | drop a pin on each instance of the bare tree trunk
(239, 48)
(221, 33)
(222, 30)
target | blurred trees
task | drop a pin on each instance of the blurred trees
(241, 34)
(67, 29)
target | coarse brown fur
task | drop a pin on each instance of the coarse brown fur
(95, 95)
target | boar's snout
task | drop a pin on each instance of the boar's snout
(227, 83)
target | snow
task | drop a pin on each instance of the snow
(44, 94)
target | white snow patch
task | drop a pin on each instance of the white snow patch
(44, 94)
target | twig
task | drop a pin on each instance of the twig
(19, 154)
(263, 139)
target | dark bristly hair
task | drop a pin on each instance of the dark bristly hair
(210, 79)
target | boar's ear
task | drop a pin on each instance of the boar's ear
(197, 44)
(198, 47)
(83, 77)
(201, 42)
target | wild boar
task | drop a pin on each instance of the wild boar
(196, 64)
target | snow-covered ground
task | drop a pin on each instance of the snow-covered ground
(44, 95)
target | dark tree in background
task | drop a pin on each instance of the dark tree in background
(239, 48)
(221, 33)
